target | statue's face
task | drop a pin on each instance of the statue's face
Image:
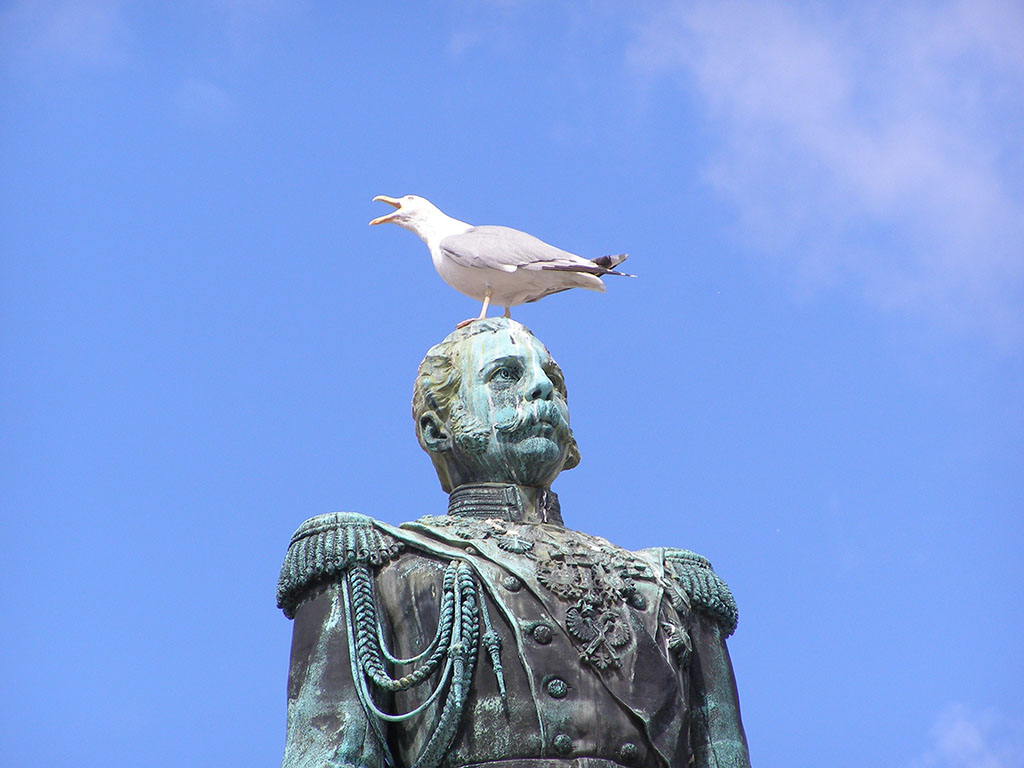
(510, 422)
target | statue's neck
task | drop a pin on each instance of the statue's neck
(515, 503)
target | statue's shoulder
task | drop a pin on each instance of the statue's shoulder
(708, 593)
(325, 547)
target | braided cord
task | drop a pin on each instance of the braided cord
(431, 646)
(368, 633)
(373, 709)
(457, 640)
(360, 681)
(463, 652)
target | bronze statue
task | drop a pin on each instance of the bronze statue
(494, 634)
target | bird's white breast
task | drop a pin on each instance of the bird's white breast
(471, 281)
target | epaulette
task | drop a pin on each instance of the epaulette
(708, 593)
(324, 548)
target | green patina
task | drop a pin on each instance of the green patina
(592, 652)
(469, 409)
(706, 590)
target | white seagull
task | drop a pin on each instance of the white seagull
(495, 264)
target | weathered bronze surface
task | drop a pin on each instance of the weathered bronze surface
(495, 634)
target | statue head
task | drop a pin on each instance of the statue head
(490, 406)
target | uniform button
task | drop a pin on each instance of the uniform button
(542, 634)
(470, 550)
(627, 753)
(511, 583)
(638, 601)
(563, 744)
(557, 688)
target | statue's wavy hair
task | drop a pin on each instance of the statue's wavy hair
(439, 378)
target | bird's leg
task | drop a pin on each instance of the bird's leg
(508, 314)
(483, 312)
(487, 303)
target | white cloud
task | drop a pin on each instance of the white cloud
(966, 738)
(879, 143)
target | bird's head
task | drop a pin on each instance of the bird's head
(421, 217)
(412, 212)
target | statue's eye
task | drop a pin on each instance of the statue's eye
(504, 374)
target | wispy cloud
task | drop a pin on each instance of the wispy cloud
(879, 144)
(966, 738)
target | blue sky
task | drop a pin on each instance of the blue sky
(817, 380)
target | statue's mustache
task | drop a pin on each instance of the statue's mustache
(535, 413)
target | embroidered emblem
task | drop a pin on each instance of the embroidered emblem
(599, 579)
(601, 630)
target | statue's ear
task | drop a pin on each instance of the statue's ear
(434, 434)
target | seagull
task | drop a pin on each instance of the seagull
(494, 264)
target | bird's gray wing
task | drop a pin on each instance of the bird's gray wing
(509, 249)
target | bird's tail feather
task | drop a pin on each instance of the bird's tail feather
(612, 261)
(608, 264)
(602, 266)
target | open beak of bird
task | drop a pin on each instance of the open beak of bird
(391, 216)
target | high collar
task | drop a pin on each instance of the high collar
(515, 503)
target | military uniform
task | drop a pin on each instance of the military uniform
(528, 644)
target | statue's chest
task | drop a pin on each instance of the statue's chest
(601, 594)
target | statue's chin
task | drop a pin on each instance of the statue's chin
(536, 460)
(533, 460)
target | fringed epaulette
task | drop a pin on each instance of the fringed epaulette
(324, 548)
(708, 593)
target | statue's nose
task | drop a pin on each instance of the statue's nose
(541, 387)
